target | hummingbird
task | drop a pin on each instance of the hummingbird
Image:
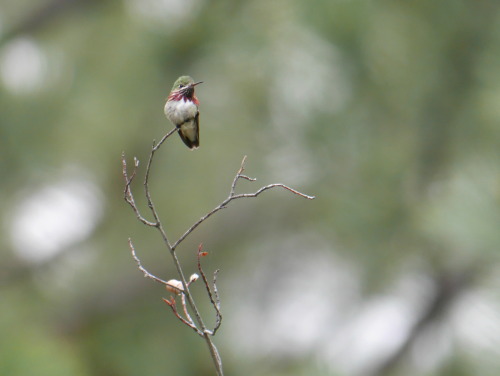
(182, 111)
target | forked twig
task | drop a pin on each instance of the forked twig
(127, 193)
(171, 303)
(233, 196)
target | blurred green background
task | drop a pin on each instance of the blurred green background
(388, 112)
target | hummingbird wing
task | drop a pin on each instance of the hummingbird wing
(189, 131)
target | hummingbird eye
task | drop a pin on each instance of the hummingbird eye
(181, 86)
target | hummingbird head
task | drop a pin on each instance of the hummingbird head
(184, 87)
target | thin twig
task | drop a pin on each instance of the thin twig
(232, 196)
(127, 193)
(215, 302)
(142, 269)
(184, 307)
(239, 175)
(146, 186)
(270, 186)
(164, 138)
(150, 161)
(218, 318)
(171, 303)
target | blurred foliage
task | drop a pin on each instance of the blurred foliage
(387, 111)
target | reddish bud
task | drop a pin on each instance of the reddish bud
(169, 302)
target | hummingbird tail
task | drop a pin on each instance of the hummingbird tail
(189, 132)
(190, 144)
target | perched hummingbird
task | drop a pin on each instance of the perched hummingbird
(182, 110)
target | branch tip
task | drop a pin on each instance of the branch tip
(242, 165)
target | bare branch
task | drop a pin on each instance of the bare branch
(127, 193)
(186, 297)
(171, 303)
(215, 302)
(184, 307)
(143, 269)
(153, 150)
(232, 196)
(270, 186)
(218, 318)
(239, 175)
(151, 206)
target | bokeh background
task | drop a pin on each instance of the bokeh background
(388, 112)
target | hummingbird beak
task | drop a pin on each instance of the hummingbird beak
(196, 83)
